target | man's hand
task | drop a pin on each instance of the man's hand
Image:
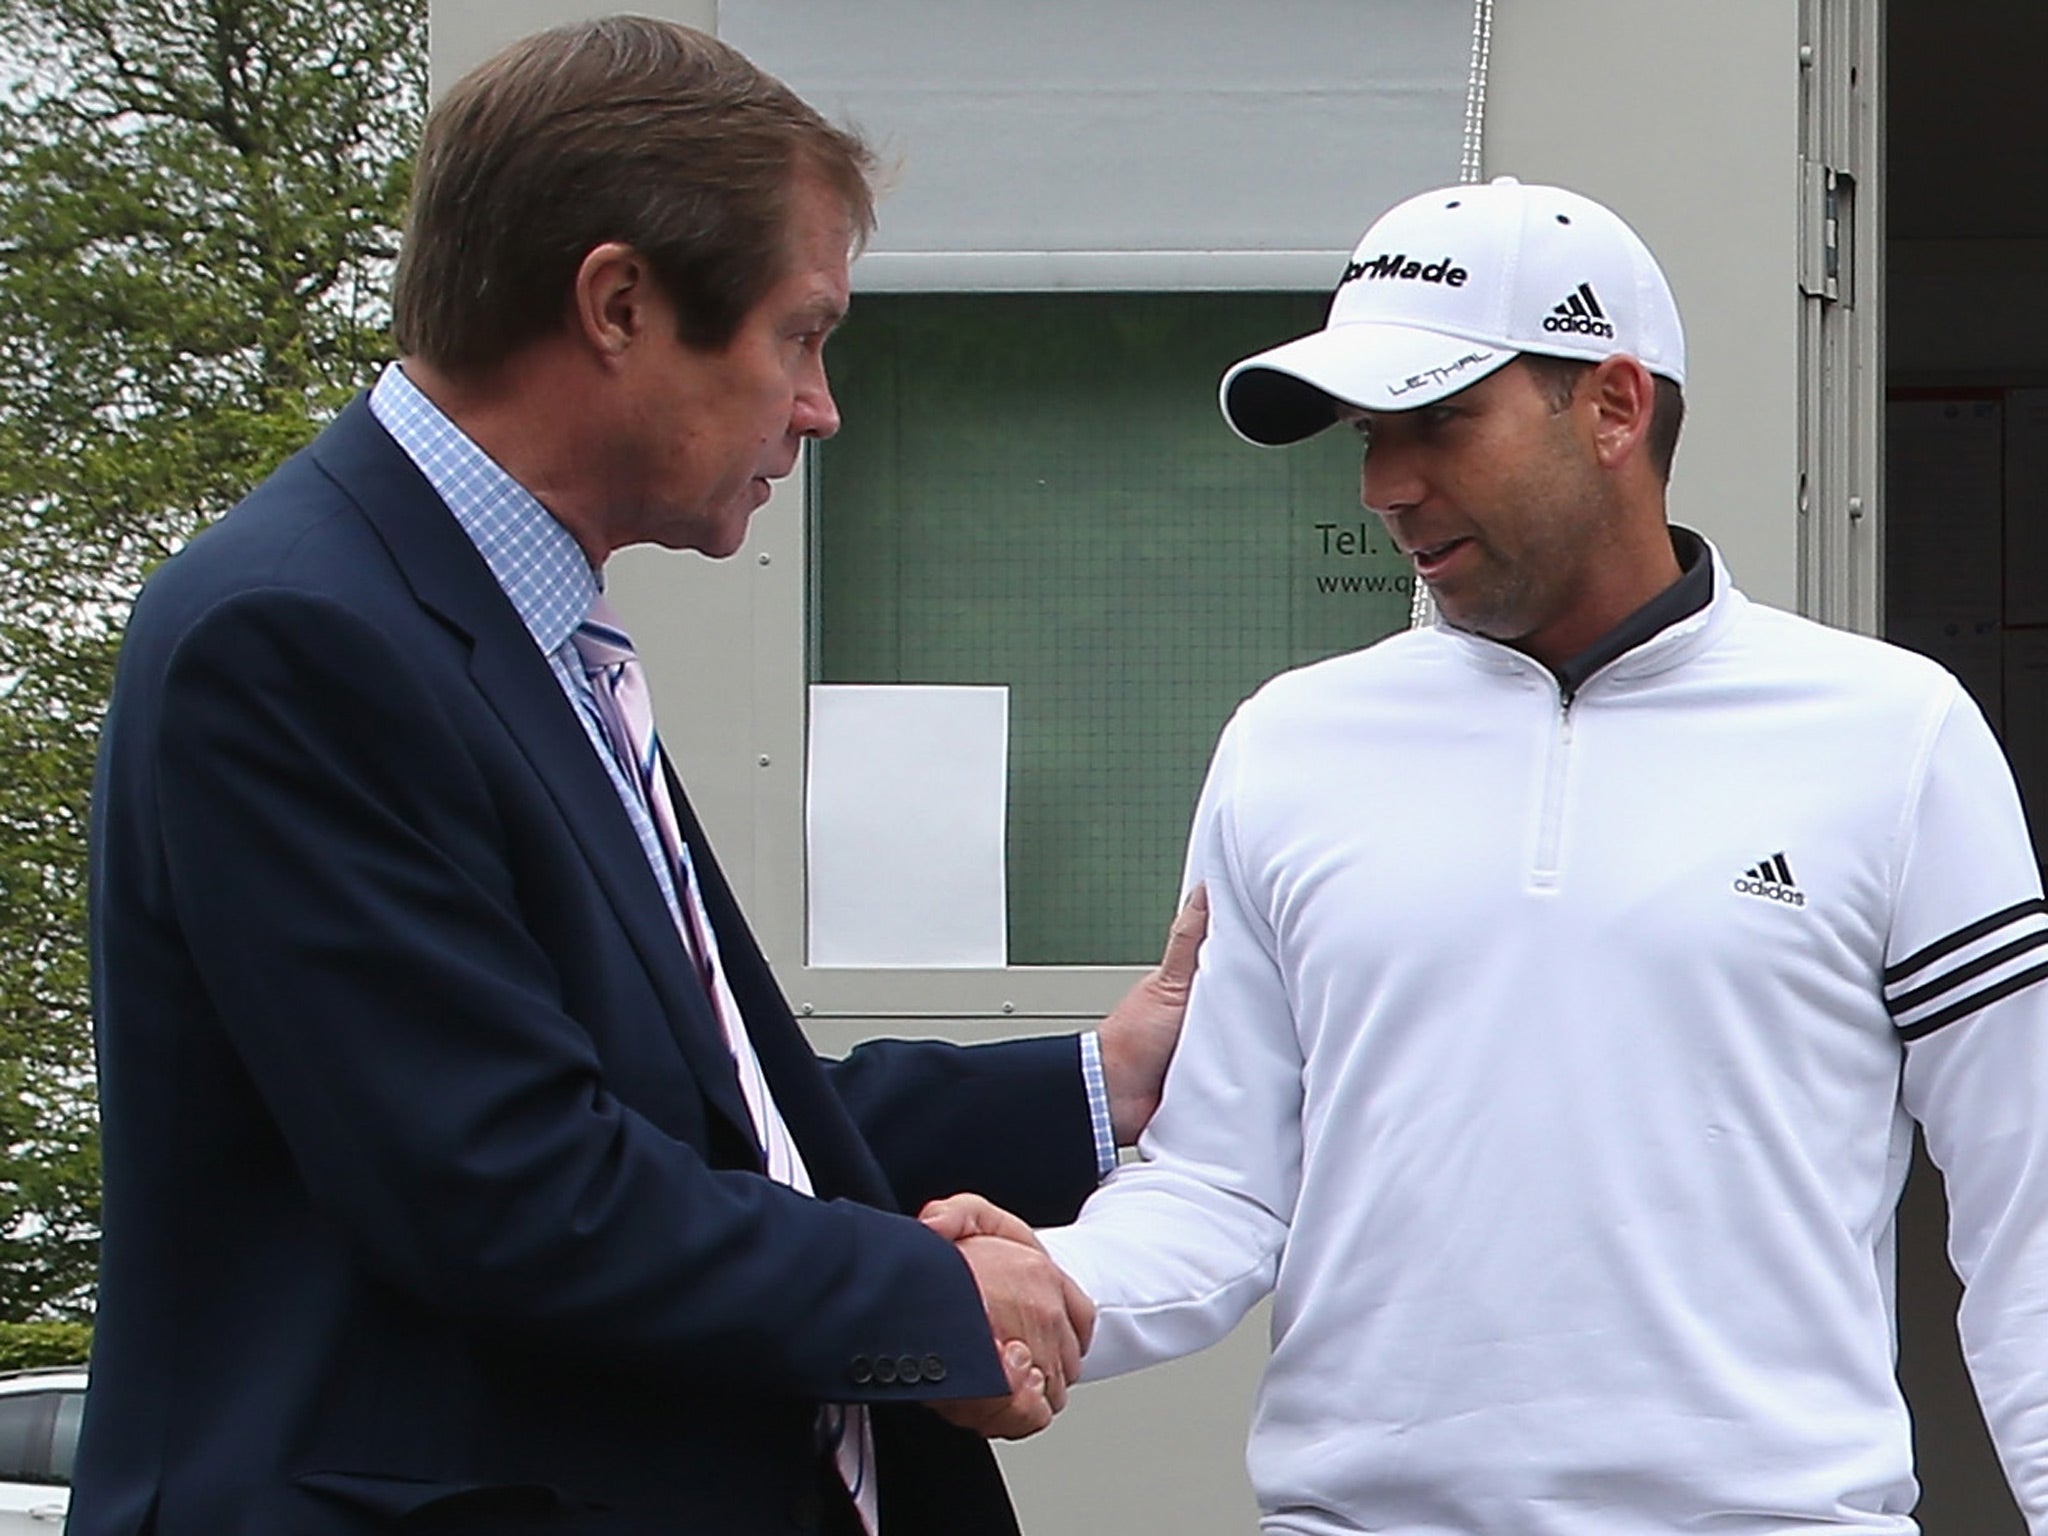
(981, 1230)
(1141, 1031)
(1030, 1302)
(1024, 1412)
(1041, 1320)
(959, 1217)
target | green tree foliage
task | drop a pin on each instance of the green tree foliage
(199, 202)
(25, 1346)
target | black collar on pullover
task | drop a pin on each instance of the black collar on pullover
(1685, 597)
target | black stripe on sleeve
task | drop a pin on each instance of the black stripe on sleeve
(1905, 1002)
(1962, 936)
(1927, 1026)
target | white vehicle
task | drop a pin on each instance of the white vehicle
(39, 1413)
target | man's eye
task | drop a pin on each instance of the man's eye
(1439, 415)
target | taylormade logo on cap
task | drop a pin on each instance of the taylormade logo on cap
(1447, 288)
(1400, 266)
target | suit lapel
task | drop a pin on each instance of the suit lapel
(449, 579)
(838, 1157)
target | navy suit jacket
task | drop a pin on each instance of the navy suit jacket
(431, 1202)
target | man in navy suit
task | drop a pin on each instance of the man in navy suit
(433, 1200)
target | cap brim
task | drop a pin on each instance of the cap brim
(1292, 391)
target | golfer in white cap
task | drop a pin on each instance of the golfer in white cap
(1577, 970)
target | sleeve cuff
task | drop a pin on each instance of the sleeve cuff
(1098, 1104)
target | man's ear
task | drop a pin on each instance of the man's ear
(1622, 397)
(609, 302)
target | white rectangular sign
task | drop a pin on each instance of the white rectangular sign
(905, 815)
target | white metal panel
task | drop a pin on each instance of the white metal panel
(463, 33)
(1150, 143)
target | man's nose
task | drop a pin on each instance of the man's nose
(815, 413)
(1390, 479)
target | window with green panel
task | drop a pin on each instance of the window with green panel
(1037, 491)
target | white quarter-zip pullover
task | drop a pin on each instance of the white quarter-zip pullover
(1551, 1063)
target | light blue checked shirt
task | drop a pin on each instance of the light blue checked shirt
(551, 586)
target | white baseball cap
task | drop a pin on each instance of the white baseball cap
(1445, 289)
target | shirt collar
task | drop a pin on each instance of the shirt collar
(533, 557)
(1685, 597)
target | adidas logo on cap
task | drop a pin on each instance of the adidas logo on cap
(1581, 314)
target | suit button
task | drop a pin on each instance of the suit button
(909, 1371)
(934, 1368)
(885, 1370)
(861, 1369)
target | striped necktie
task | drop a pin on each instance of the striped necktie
(619, 686)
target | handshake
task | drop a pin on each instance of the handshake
(1041, 1320)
